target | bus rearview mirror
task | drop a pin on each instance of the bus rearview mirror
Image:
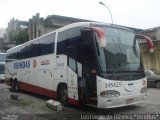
(101, 37)
(148, 40)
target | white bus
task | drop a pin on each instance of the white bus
(2, 66)
(86, 63)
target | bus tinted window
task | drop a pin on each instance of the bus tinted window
(67, 38)
(41, 46)
(46, 45)
(62, 42)
(22, 53)
(32, 50)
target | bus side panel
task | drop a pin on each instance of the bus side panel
(41, 74)
(38, 90)
(72, 87)
(60, 71)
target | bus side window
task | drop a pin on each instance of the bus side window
(22, 52)
(46, 44)
(72, 58)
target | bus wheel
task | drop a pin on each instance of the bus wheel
(63, 95)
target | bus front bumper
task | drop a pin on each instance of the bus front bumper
(123, 100)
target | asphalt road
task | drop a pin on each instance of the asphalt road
(153, 96)
(33, 107)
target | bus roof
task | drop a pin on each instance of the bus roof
(82, 24)
(85, 24)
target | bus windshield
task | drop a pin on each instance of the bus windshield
(121, 53)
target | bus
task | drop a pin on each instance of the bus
(84, 63)
(2, 66)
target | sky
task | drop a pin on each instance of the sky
(143, 14)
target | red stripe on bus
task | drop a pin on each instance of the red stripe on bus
(37, 89)
(43, 91)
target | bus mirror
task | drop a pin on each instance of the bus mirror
(101, 36)
(148, 40)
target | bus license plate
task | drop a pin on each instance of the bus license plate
(128, 101)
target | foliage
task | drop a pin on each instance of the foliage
(20, 37)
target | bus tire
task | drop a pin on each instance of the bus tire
(63, 95)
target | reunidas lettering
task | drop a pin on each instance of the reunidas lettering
(22, 65)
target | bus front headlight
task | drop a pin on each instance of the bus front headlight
(109, 94)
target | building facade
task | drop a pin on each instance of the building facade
(39, 26)
(151, 60)
(2, 40)
(154, 33)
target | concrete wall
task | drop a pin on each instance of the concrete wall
(151, 60)
(39, 26)
(35, 27)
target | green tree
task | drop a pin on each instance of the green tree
(20, 37)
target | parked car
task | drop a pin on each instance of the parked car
(153, 78)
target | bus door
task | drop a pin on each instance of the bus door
(72, 76)
(89, 66)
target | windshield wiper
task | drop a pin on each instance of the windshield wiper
(118, 45)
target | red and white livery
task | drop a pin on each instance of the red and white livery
(86, 63)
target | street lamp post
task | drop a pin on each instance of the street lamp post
(108, 10)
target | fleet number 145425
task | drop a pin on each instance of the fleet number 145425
(113, 84)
